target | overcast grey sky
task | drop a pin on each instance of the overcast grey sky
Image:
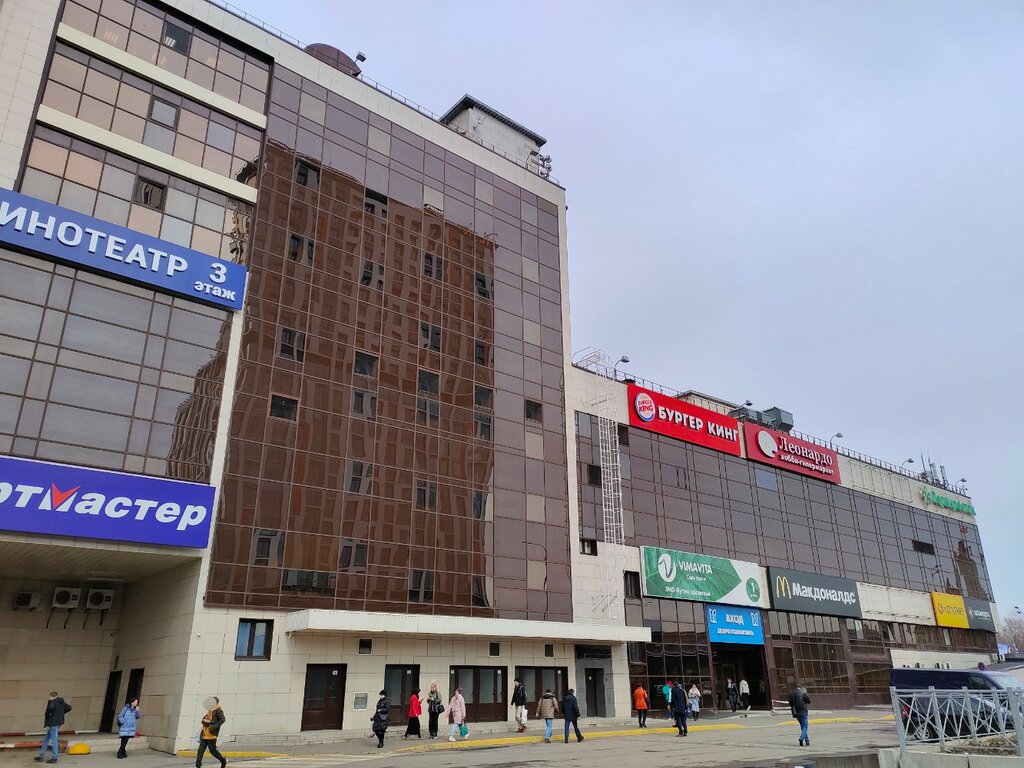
(811, 205)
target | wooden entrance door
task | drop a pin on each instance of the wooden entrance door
(485, 690)
(399, 680)
(323, 700)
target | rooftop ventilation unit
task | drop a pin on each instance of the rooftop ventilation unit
(779, 419)
(66, 597)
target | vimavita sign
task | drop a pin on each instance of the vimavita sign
(61, 500)
(701, 578)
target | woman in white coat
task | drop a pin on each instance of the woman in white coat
(694, 696)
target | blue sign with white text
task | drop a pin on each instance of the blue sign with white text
(729, 624)
(62, 500)
(42, 227)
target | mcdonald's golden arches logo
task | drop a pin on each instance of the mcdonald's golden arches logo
(782, 588)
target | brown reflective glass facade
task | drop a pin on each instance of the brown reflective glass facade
(403, 305)
(685, 497)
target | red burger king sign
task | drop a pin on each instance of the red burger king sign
(676, 418)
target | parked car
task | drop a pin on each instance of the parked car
(954, 708)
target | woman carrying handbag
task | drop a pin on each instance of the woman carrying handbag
(434, 709)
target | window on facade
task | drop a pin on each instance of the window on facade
(268, 548)
(923, 547)
(163, 113)
(149, 193)
(300, 248)
(623, 435)
(253, 639)
(312, 582)
(284, 407)
(429, 382)
(375, 203)
(484, 286)
(635, 653)
(482, 426)
(494, 649)
(176, 38)
(593, 475)
(373, 275)
(364, 404)
(426, 495)
(479, 504)
(631, 584)
(427, 412)
(365, 365)
(307, 174)
(588, 546)
(365, 646)
(549, 650)
(432, 266)
(766, 479)
(483, 354)
(292, 344)
(479, 588)
(483, 397)
(358, 477)
(353, 556)
(421, 587)
(534, 411)
(430, 337)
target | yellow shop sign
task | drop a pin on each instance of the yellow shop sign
(950, 610)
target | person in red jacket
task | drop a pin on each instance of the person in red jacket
(415, 710)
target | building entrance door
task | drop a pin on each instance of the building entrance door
(485, 690)
(110, 702)
(399, 680)
(323, 700)
(740, 662)
(595, 692)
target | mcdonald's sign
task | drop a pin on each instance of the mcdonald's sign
(813, 593)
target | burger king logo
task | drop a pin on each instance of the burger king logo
(644, 406)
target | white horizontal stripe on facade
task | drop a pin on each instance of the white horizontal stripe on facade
(133, 149)
(323, 621)
(155, 74)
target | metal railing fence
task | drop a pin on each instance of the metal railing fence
(991, 720)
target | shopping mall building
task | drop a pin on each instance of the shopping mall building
(288, 414)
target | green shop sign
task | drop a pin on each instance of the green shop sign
(701, 578)
(932, 497)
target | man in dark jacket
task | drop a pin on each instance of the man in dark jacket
(571, 713)
(798, 701)
(680, 705)
(211, 724)
(53, 719)
(519, 702)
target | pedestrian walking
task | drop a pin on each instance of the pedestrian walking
(457, 712)
(641, 703)
(519, 703)
(694, 696)
(415, 710)
(379, 721)
(434, 709)
(732, 694)
(666, 691)
(547, 709)
(571, 713)
(744, 695)
(128, 725)
(53, 719)
(680, 703)
(798, 701)
(211, 722)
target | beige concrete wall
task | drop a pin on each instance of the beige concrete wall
(35, 659)
(26, 28)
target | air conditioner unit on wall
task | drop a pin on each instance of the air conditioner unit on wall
(99, 599)
(66, 597)
(26, 601)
